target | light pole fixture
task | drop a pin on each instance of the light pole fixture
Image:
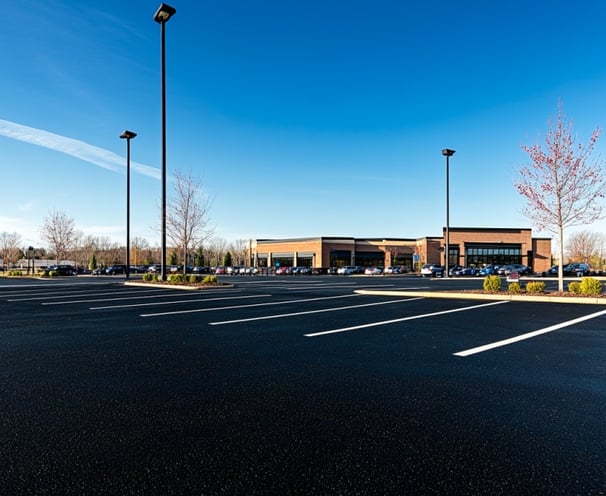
(163, 14)
(128, 135)
(30, 254)
(447, 152)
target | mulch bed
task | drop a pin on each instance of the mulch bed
(544, 293)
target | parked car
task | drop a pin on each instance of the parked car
(394, 270)
(577, 269)
(346, 270)
(62, 270)
(283, 270)
(519, 268)
(551, 271)
(453, 270)
(138, 269)
(488, 270)
(466, 271)
(432, 270)
(300, 271)
(115, 269)
(373, 271)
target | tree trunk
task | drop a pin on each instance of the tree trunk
(561, 258)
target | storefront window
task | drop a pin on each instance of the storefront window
(340, 258)
(498, 255)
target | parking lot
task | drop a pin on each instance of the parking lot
(297, 385)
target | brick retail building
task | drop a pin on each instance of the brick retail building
(468, 246)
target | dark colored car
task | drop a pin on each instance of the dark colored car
(523, 270)
(452, 271)
(466, 271)
(198, 269)
(115, 269)
(62, 270)
(488, 270)
(552, 271)
(577, 269)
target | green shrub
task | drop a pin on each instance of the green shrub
(591, 286)
(176, 278)
(15, 273)
(148, 277)
(575, 287)
(535, 287)
(514, 287)
(210, 280)
(195, 278)
(492, 283)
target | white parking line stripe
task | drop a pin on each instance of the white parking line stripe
(319, 286)
(71, 295)
(163, 295)
(528, 335)
(157, 303)
(282, 315)
(403, 319)
(270, 303)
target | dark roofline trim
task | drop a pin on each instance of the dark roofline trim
(488, 229)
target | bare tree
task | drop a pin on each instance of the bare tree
(187, 218)
(85, 246)
(239, 251)
(562, 185)
(217, 248)
(9, 246)
(59, 231)
(138, 250)
(585, 246)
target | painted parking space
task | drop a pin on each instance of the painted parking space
(262, 301)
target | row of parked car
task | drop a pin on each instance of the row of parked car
(436, 270)
(572, 269)
(374, 270)
(575, 269)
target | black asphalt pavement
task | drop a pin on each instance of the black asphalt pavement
(296, 386)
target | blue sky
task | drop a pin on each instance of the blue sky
(315, 118)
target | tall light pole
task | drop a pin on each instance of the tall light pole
(163, 14)
(447, 153)
(128, 135)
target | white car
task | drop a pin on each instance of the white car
(345, 271)
(373, 271)
(432, 270)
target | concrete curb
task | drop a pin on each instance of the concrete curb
(585, 300)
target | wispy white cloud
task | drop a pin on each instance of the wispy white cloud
(26, 207)
(76, 148)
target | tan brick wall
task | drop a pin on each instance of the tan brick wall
(295, 246)
(542, 258)
(524, 237)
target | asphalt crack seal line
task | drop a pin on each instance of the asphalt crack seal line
(521, 337)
